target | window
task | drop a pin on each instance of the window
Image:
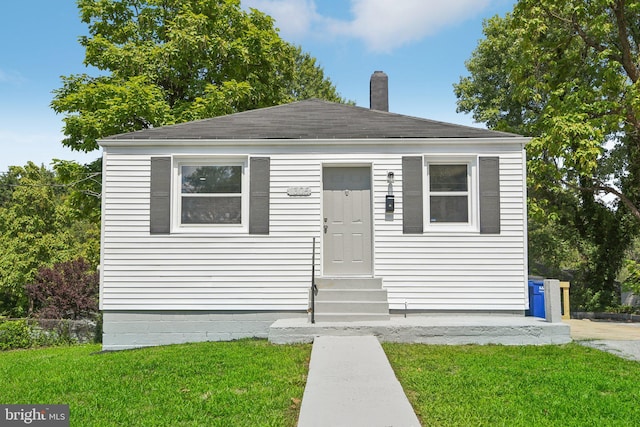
(190, 195)
(211, 193)
(450, 194)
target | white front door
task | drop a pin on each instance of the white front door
(347, 221)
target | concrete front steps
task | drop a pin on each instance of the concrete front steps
(359, 307)
(352, 299)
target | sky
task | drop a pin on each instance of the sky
(422, 45)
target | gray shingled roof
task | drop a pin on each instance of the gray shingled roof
(311, 119)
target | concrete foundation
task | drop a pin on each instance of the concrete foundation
(132, 329)
(430, 329)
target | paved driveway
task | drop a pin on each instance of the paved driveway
(621, 339)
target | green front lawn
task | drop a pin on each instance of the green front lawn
(254, 383)
(240, 383)
(568, 385)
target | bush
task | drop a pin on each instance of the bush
(623, 309)
(632, 279)
(68, 290)
(15, 334)
(27, 333)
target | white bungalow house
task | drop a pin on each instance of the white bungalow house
(208, 226)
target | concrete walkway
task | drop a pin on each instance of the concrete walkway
(621, 339)
(351, 383)
(585, 329)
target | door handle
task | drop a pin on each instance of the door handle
(325, 228)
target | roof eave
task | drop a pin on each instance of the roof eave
(309, 142)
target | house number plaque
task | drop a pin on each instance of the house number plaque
(299, 191)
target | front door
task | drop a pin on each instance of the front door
(347, 221)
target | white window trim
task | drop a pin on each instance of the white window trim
(473, 226)
(176, 199)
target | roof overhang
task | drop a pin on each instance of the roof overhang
(138, 142)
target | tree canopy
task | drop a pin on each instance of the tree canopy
(39, 226)
(565, 72)
(170, 61)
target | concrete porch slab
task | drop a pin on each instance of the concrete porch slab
(456, 329)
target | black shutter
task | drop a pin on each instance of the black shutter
(489, 195)
(259, 174)
(412, 216)
(160, 213)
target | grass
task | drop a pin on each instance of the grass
(240, 383)
(254, 383)
(566, 385)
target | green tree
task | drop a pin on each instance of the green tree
(566, 73)
(8, 182)
(38, 228)
(170, 61)
(630, 273)
(84, 183)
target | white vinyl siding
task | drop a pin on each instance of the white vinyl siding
(461, 271)
(239, 271)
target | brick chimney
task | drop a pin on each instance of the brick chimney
(379, 91)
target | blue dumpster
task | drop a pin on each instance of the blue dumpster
(536, 298)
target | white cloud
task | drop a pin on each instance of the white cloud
(382, 25)
(295, 18)
(11, 76)
(386, 24)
